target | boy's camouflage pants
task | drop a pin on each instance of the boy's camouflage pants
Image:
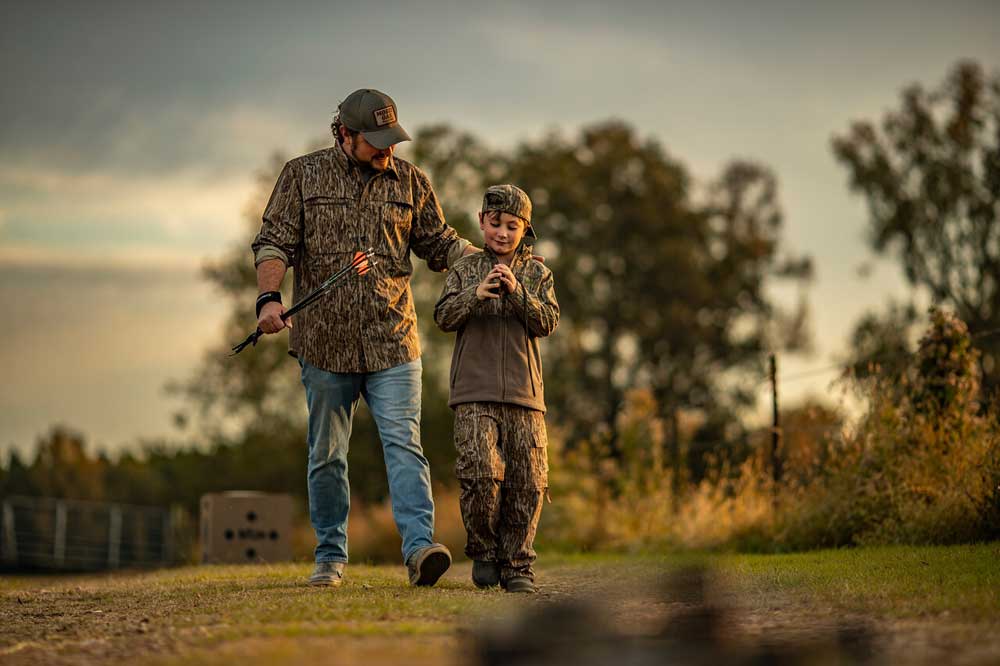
(503, 472)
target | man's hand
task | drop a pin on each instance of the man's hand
(270, 318)
(488, 288)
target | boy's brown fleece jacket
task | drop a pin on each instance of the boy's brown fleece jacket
(496, 355)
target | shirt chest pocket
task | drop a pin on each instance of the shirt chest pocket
(331, 225)
(397, 220)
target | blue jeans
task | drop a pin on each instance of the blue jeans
(393, 397)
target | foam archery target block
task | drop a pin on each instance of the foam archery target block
(246, 527)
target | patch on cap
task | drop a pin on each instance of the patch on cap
(385, 116)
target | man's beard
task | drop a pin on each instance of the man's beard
(379, 163)
(375, 163)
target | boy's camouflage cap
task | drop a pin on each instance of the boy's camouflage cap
(372, 113)
(509, 199)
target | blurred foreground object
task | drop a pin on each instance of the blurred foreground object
(242, 526)
(695, 630)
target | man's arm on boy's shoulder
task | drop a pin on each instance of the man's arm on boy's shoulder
(456, 303)
(539, 312)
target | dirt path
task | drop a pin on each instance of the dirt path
(586, 612)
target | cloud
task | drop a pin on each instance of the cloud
(126, 135)
(186, 200)
(128, 258)
(99, 220)
(169, 187)
(94, 346)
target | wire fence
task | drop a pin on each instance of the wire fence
(890, 361)
(49, 534)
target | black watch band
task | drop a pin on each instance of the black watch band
(267, 297)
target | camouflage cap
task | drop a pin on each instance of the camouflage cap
(509, 199)
(372, 113)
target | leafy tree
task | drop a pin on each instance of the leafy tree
(62, 467)
(930, 173)
(17, 478)
(882, 342)
(657, 289)
(946, 369)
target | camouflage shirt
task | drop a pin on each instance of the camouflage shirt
(324, 209)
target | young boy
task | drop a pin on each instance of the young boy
(500, 301)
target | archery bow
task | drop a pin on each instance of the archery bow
(362, 262)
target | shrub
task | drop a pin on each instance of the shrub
(920, 466)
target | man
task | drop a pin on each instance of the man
(360, 340)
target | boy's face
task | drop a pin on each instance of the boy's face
(502, 232)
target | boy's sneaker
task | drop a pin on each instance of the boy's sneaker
(428, 564)
(520, 584)
(327, 574)
(485, 574)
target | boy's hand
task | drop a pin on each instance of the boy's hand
(506, 277)
(489, 287)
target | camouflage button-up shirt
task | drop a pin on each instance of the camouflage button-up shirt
(323, 210)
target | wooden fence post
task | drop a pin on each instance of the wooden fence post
(775, 423)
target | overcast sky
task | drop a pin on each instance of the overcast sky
(130, 134)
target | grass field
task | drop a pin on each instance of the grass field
(924, 604)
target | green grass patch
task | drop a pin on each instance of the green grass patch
(895, 581)
(962, 582)
(135, 615)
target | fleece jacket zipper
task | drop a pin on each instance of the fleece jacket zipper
(503, 345)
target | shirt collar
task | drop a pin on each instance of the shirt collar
(349, 164)
(521, 254)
